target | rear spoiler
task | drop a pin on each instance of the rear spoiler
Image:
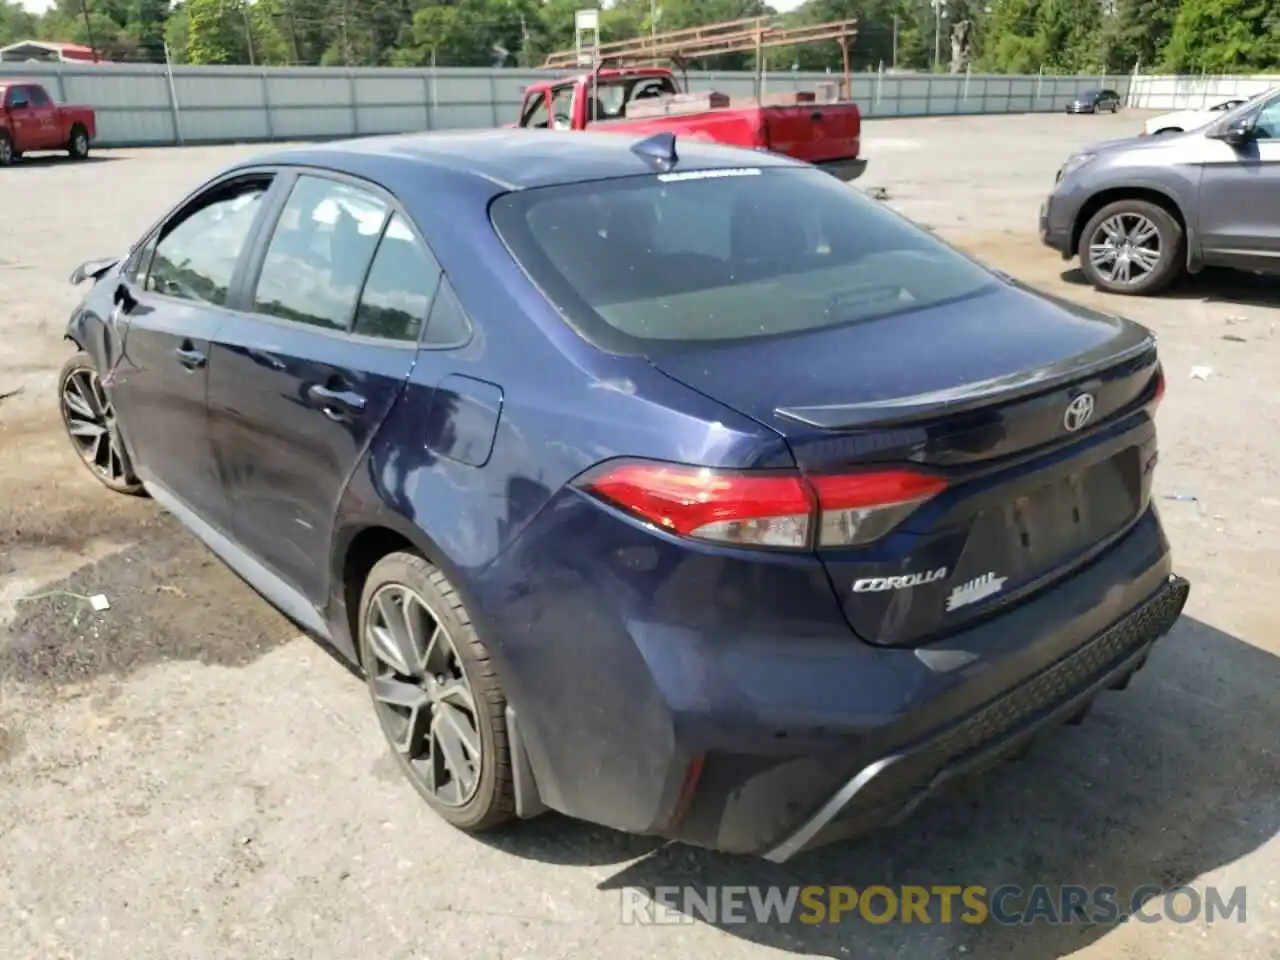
(91, 268)
(905, 410)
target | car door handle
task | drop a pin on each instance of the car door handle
(337, 404)
(189, 357)
(815, 116)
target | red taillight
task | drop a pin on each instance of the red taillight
(1160, 384)
(762, 509)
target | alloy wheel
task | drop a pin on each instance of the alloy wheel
(1125, 248)
(80, 144)
(424, 700)
(91, 422)
(6, 152)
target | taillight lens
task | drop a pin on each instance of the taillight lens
(861, 507)
(759, 509)
(1160, 385)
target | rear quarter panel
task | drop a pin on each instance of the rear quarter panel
(85, 116)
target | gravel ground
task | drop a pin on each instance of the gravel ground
(183, 776)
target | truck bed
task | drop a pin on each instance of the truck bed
(826, 134)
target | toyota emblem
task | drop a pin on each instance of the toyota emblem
(1079, 412)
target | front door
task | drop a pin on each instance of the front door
(171, 311)
(24, 122)
(302, 379)
(1239, 221)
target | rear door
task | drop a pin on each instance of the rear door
(45, 112)
(302, 379)
(178, 285)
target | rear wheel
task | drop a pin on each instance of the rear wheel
(1132, 247)
(90, 421)
(78, 144)
(435, 692)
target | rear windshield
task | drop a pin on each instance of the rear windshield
(651, 264)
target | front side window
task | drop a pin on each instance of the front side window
(197, 255)
(39, 98)
(1267, 124)
(18, 97)
(402, 280)
(319, 252)
(645, 265)
(562, 108)
(535, 111)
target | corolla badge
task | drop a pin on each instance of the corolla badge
(1079, 412)
(876, 584)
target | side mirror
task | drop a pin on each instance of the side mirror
(1237, 133)
(19, 105)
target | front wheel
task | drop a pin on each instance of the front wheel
(90, 421)
(1132, 247)
(7, 153)
(435, 692)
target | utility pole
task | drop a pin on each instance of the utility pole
(88, 29)
(895, 41)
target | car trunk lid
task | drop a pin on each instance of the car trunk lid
(984, 394)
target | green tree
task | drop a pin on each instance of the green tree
(16, 23)
(216, 32)
(1222, 36)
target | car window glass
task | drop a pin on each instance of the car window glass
(196, 257)
(38, 97)
(18, 97)
(319, 253)
(401, 283)
(535, 114)
(1267, 126)
(652, 264)
(449, 324)
(562, 108)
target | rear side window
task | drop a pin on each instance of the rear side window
(38, 97)
(319, 252)
(658, 263)
(197, 254)
(401, 282)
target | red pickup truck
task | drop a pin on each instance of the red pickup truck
(647, 100)
(30, 121)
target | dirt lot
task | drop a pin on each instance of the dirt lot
(183, 776)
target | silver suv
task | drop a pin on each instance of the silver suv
(1138, 212)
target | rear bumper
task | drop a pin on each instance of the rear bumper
(677, 694)
(846, 170)
(888, 789)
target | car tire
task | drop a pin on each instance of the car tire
(7, 154)
(89, 418)
(78, 142)
(439, 666)
(1136, 218)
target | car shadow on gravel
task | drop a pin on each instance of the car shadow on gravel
(1215, 284)
(1163, 783)
(56, 159)
(170, 599)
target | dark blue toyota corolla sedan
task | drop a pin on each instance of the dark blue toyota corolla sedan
(681, 489)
